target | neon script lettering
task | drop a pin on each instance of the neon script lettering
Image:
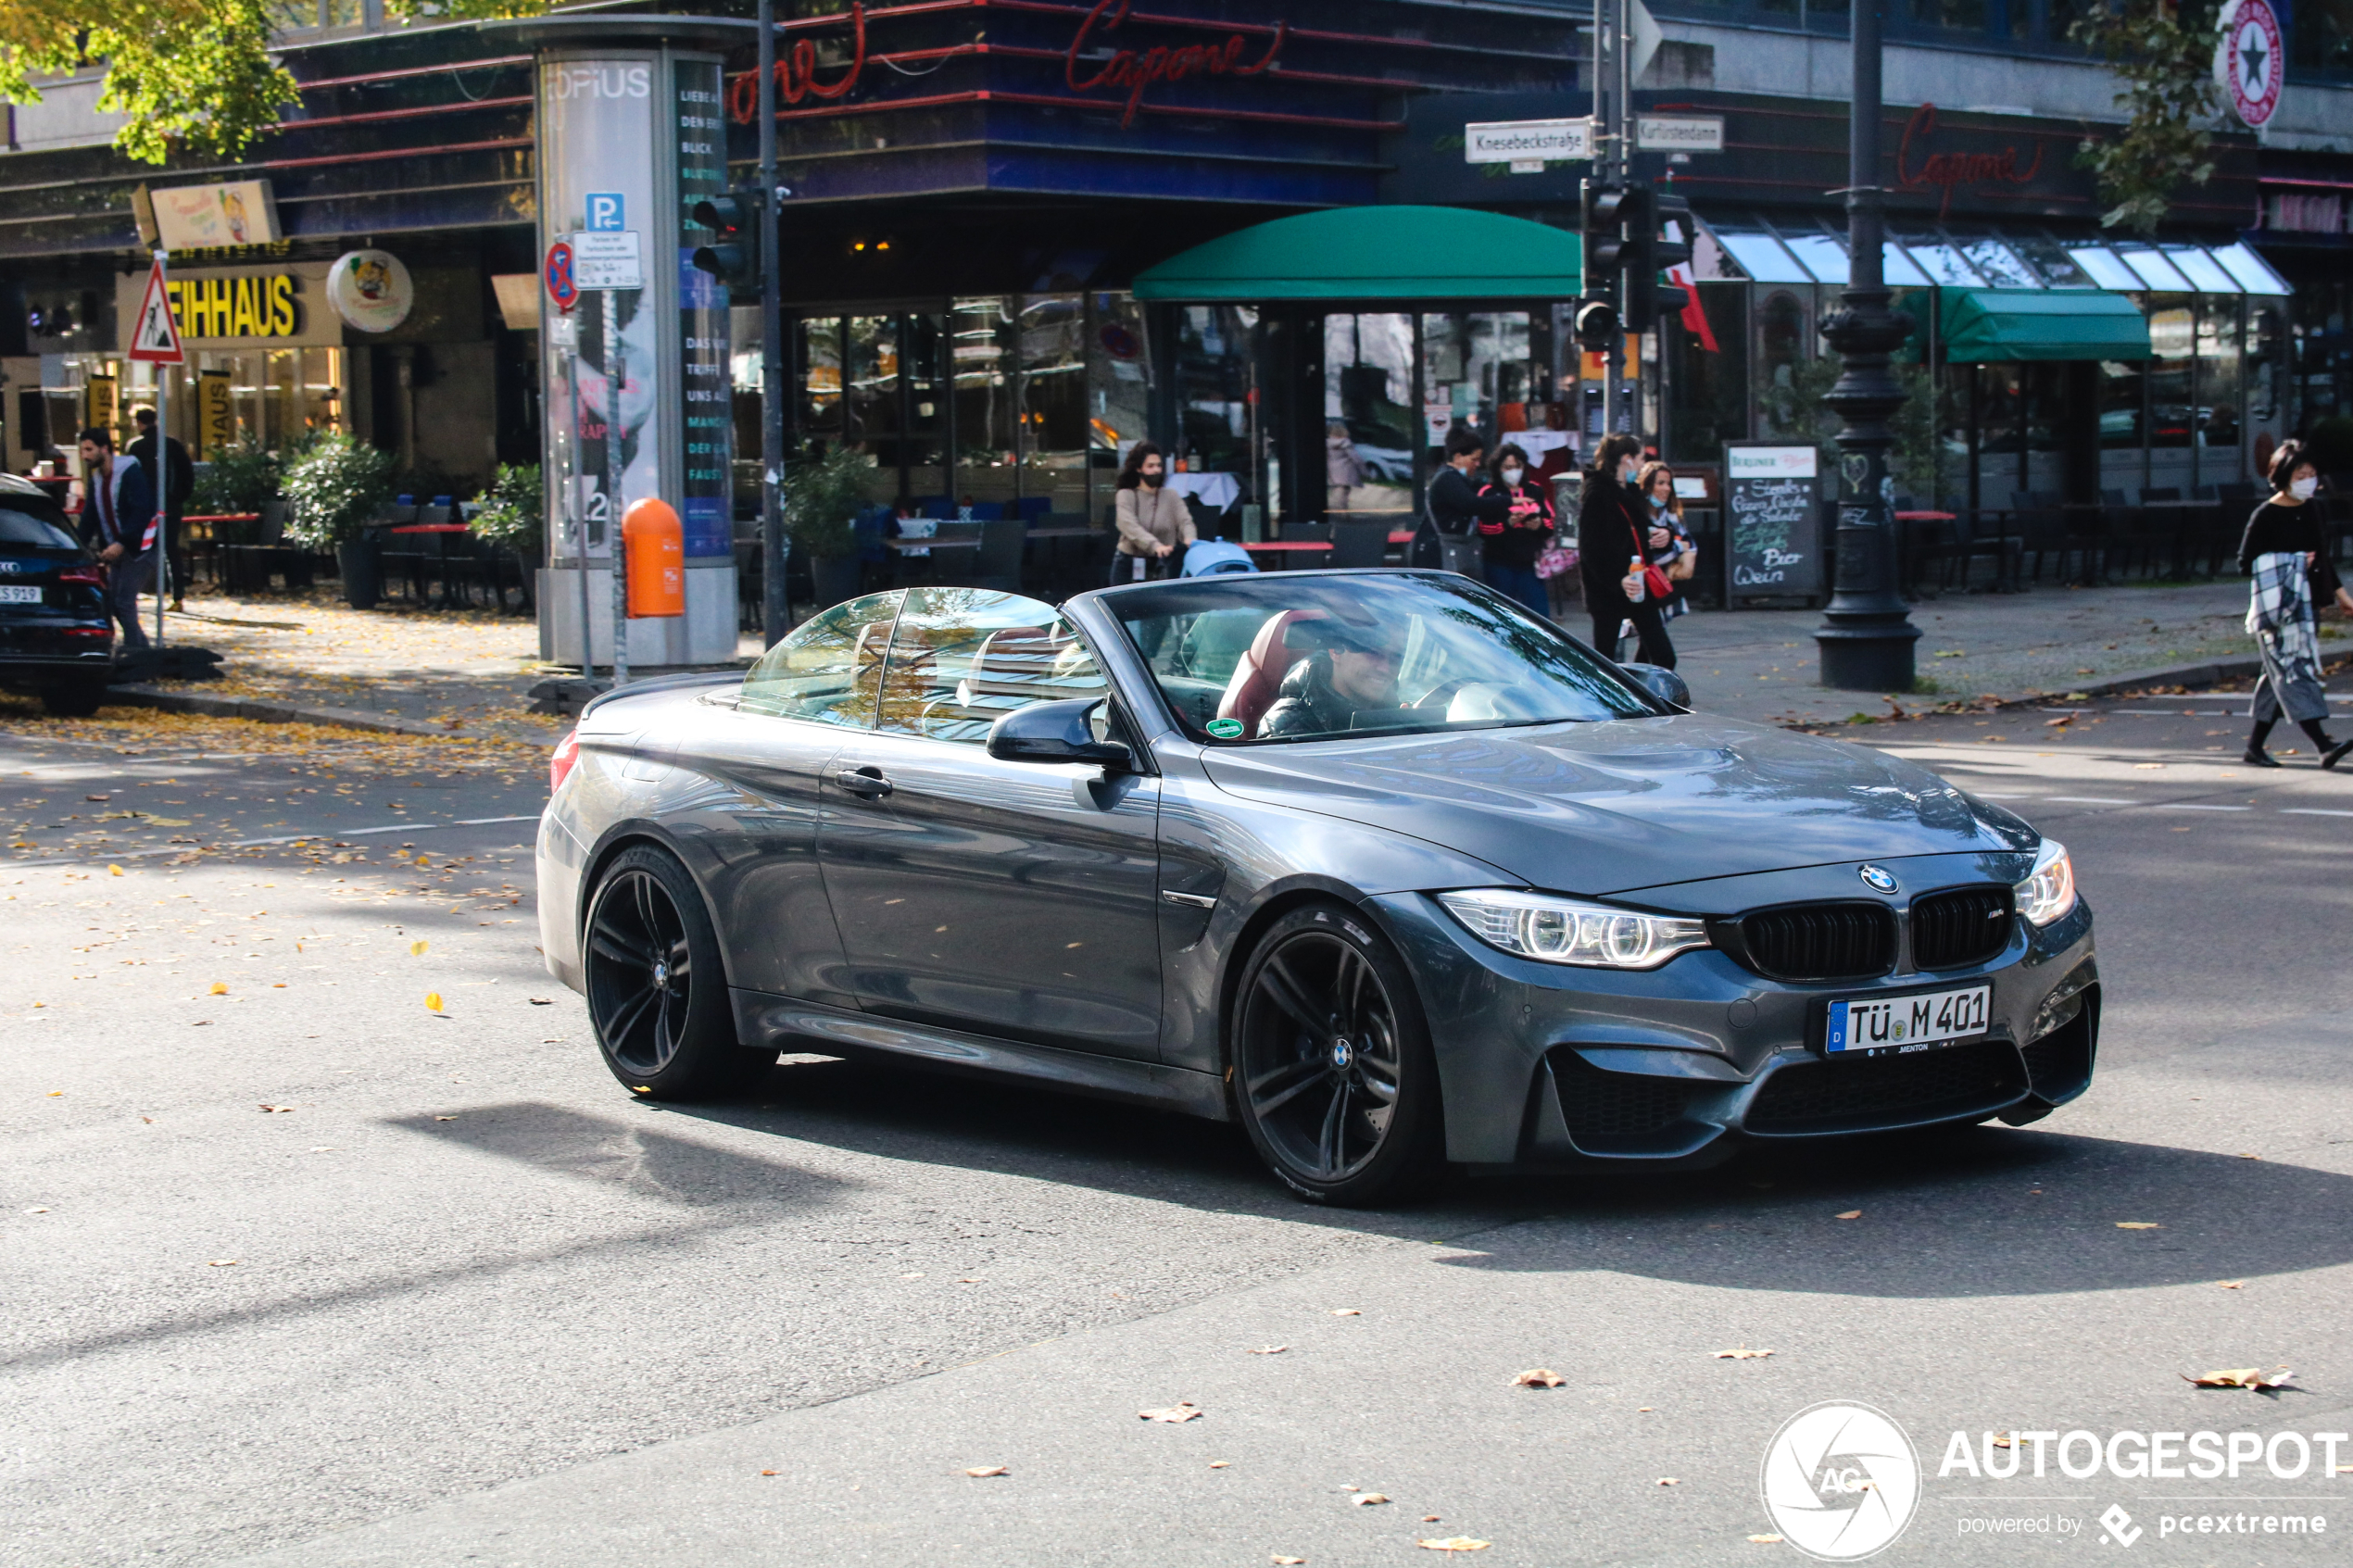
(1132, 72)
(1950, 169)
(796, 73)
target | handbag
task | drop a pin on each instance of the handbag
(1655, 587)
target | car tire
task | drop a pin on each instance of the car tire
(657, 989)
(1332, 1073)
(72, 699)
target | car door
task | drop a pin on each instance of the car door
(757, 757)
(1014, 899)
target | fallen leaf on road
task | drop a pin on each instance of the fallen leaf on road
(218, 988)
(2241, 1377)
(2056, 723)
(1363, 1499)
(36, 1211)
(277, 1108)
(1775, 1540)
(200, 1023)
(222, 1264)
(1270, 1349)
(1742, 1353)
(633, 1088)
(445, 1119)
(1184, 1410)
(765, 1472)
(416, 950)
(1852, 1215)
(102, 797)
(2004, 1440)
(1346, 1313)
(964, 1279)
(114, 871)
(2232, 1284)
(433, 1000)
(544, 1002)
(1286, 1562)
(1453, 1543)
(1430, 1519)
(978, 1471)
(1219, 1464)
(1537, 1378)
(1668, 1481)
(2138, 1225)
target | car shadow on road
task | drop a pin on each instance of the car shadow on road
(1986, 1211)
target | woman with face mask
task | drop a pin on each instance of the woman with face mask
(1612, 540)
(1671, 548)
(1509, 545)
(2284, 550)
(1154, 522)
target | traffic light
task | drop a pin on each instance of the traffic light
(1598, 208)
(734, 256)
(1596, 326)
(1646, 211)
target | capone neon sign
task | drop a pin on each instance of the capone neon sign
(1134, 71)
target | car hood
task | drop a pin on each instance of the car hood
(1599, 807)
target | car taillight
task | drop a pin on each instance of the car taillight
(89, 575)
(559, 765)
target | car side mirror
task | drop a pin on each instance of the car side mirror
(1056, 732)
(1661, 682)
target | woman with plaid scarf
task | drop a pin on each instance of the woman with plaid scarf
(2285, 552)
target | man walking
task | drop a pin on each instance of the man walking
(117, 504)
(179, 480)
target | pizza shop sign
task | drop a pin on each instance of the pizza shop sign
(1095, 63)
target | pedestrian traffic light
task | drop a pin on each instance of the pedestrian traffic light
(1596, 326)
(1598, 208)
(734, 256)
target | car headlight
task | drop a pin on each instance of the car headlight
(2050, 891)
(1531, 925)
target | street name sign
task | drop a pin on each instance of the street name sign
(1527, 145)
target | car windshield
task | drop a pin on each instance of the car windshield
(1293, 655)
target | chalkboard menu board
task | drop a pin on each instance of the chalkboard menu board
(1772, 523)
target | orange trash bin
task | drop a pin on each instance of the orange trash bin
(656, 546)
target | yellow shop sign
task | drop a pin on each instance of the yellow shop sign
(258, 307)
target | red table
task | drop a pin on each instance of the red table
(429, 528)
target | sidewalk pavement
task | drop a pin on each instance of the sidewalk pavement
(431, 672)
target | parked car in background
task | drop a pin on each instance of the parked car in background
(56, 638)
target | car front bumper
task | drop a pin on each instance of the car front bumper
(1549, 1066)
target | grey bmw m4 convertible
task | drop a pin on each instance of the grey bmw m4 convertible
(1373, 863)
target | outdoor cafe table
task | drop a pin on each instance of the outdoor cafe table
(441, 530)
(1287, 547)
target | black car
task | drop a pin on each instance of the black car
(1374, 863)
(55, 637)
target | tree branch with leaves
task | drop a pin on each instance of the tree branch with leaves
(2164, 53)
(183, 73)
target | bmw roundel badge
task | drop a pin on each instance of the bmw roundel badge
(1878, 879)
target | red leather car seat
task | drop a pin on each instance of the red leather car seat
(1258, 677)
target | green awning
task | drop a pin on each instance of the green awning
(1376, 253)
(2000, 326)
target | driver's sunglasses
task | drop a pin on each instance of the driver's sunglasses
(1387, 655)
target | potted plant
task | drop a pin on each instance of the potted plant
(514, 517)
(338, 485)
(240, 481)
(821, 497)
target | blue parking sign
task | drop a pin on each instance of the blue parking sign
(604, 213)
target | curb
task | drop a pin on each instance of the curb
(266, 712)
(2212, 673)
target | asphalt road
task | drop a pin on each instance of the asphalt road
(461, 1299)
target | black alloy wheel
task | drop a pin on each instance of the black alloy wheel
(1333, 1072)
(657, 993)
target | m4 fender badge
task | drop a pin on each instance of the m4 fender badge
(1878, 879)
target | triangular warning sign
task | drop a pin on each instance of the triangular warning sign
(156, 338)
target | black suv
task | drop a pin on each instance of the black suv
(55, 636)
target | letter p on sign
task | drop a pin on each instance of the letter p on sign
(604, 213)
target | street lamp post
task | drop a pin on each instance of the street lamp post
(775, 603)
(1866, 634)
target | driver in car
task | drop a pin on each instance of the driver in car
(1354, 674)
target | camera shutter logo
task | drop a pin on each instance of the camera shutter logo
(1839, 1480)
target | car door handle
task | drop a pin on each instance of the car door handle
(867, 784)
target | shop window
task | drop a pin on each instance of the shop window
(2172, 337)
(2121, 401)
(2221, 393)
(2321, 38)
(1476, 366)
(1217, 382)
(1780, 339)
(923, 372)
(1052, 338)
(818, 353)
(2265, 368)
(1368, 391)
(979, 337)
(1708, 392)
(1119, 381)
(870, 393)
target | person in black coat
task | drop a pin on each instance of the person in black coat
(179, 481)
(2284, 551)
(1460, 500)
(1510, 545)
(1610, 535)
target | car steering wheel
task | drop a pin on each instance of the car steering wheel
(1439, 695)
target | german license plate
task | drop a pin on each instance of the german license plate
(1897, 1026)
(19, 594)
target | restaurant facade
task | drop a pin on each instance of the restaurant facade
(1000, 257)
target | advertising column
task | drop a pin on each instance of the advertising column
(616, 128)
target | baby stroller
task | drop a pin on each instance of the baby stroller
(1215, 557)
